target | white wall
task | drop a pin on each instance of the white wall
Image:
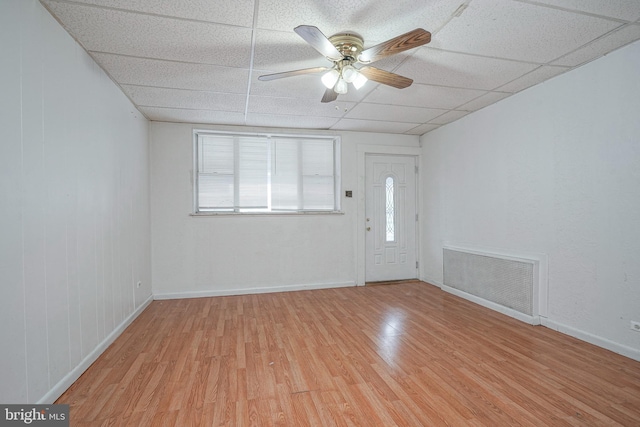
(74, 229)
(238, 254)
(554, 170)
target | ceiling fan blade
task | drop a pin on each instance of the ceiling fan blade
(385, 77)
(275, 76)
(329, 95)
(318, 41)
(406, 41)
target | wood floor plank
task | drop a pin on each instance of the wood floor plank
(404, 354)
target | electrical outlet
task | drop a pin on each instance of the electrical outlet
(635, 326)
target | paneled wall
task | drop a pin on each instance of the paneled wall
(74, 198)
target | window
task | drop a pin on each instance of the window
(266, 173)
(390, 210)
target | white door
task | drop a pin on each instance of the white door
(390, 223)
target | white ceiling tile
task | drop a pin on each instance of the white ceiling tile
(153, 72)
(393, 113)
(180, 98)
(191, 60)
(306, 86)
(357, 95)
(374, 20)
(418, 95)
(603, 45)
(422, 129)
(134, 34)
(520, 31)
(284, 51)
(296, 107)
(192, 116)
(390, 63)
(620, 9)
(538, 75)
(232, 12)
(373, 126)
(437, 67)
(484, 100)
(449, 117)
(297, 122)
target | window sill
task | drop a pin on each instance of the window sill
(215, 214)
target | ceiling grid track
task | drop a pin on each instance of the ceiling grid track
(254, 31)
(196, 61)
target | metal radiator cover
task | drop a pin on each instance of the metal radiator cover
(503, 281)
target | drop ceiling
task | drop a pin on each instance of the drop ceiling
(198, 61)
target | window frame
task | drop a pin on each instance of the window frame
(268, 136)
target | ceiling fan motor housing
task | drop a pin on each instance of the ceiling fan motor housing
(349, 44)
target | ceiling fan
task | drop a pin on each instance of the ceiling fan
(345, 50)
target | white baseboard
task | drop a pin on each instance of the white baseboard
(72, 376)
(532, 320)
(245, 291)
(629, 352)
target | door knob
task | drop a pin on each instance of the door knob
(368, 228)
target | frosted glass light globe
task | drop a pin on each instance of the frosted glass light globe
(359, 81)
(349, 73)
(341, 87)
(330, 78)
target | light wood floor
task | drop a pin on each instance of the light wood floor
(405, 354)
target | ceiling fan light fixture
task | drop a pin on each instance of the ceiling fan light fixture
(345, 50)
(359, 81)
(330, 78)
(341, 87)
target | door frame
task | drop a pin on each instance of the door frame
(363, 151)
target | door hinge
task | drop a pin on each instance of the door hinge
(416, 217)
(417, 264)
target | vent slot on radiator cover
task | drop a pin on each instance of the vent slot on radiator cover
(504, 281)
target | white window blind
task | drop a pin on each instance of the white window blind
(317, 174)
(252, 173)
(262, 173)
(216, 173)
